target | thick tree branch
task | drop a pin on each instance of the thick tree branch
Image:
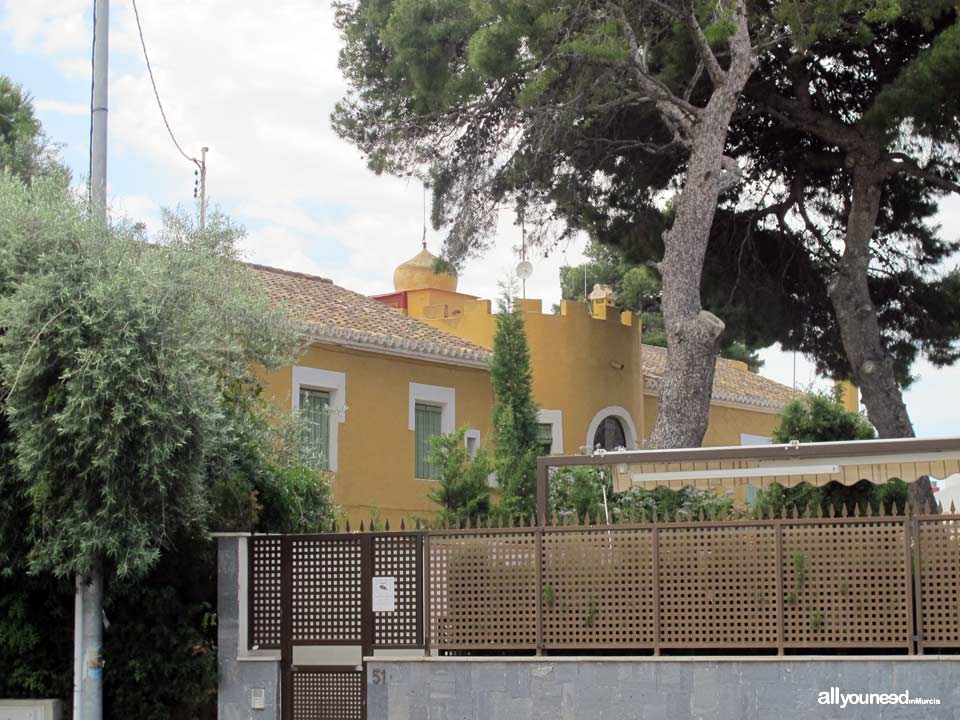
(716, 73)
(679, 113)
(895, 163)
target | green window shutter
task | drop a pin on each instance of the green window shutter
(315, 416)
(427, 425)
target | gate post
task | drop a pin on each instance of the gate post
(286, 628)
(366, 594)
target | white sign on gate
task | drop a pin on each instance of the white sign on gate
(384, 594)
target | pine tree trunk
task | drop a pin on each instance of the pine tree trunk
(857, 319)
(693, 335)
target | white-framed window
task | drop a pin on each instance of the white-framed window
(320, 396)
(551, 429)
(611, 426)
(432, 411)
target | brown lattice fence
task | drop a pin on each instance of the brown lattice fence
(876, 582)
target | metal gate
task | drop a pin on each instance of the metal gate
(311, 593)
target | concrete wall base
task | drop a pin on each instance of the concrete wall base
(655, 689)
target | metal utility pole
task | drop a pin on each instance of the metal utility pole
(203, 187)
(98, 136)
(88, 629)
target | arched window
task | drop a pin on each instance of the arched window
(610, 434)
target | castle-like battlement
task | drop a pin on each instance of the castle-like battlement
(473, 308)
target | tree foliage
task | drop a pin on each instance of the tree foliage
(117, 356)
(25, 150)
(515, 426)
(819, 418)
(852, 140)
(638, 289)
(461, 491)
(101, 325)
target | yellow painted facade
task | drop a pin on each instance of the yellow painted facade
(582, 364)
(375, 447)
(588, 365)
(726, 424)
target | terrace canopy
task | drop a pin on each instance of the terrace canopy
(761, 465)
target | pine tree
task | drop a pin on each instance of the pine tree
(515, 424)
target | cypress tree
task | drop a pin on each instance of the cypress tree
(515, 425)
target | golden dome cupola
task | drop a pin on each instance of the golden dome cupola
(418, 273)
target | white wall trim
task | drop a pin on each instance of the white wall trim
(443, 397)
(329, 381)
(472, 435)
(555, 419)
(629, 429)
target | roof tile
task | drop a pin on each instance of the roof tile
(731, 383)
(335, 313)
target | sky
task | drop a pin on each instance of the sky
(256, 83)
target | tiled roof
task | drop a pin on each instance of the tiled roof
(731, 383)
(341, 316)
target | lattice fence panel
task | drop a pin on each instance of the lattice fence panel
(598, 589)
(328, 694)
(939, 602)
(845, 584)
(264, 591)
(398, 556)
(326, 590)
(718, 586)
(483, 590)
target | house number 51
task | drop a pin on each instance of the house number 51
(379, 677)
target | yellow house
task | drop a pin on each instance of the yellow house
(378, 385)
(384, 374)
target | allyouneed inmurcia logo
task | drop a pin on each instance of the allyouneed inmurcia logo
(834, 696)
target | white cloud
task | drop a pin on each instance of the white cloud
(63, 108)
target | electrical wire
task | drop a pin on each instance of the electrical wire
(156, 93)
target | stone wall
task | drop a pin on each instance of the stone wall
(238, 676)
(654, 689)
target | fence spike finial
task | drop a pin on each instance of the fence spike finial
(832, 511)
(939, 508)
(856, 510)
(361, 526)
(869, 511)
(402, 528)
(953, 508)
(843, 511)
(386, 525)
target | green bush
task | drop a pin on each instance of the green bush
(461, 491)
